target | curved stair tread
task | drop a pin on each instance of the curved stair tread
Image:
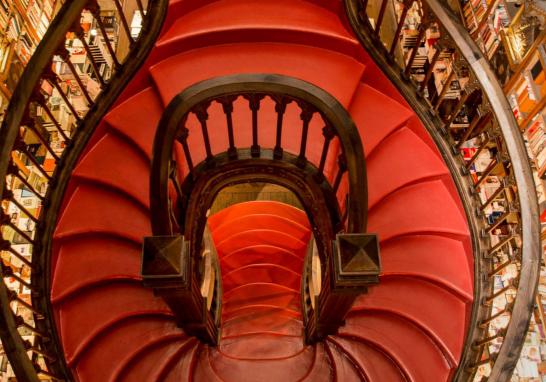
(92, 209)
(260, 294)
(243, 20)
(255, 273)
(261, 254)
(203, 371)
(274, 320)
(344, 368)
(408, 346)
(401, 158)
(443, 314)
(93, 260)
(182, 366)
(137, 118)
(376, 115)
(377, 364)
(118, 164)
(260, 236)
(430, 256)
(255, 221)
(244, 311)
(274, 370)
(261, 346)
(337, 74)
(258, 207)
(80, 321)
(425, 207)
(145, 359)
(322, 371)
(99, 360)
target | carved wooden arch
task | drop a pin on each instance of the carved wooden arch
(316, 196)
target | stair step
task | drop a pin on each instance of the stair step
(375, 362)
(94, 260)
(333, 72)
(93, 210)
(117, 164)
(400, 159)
(376, 115)
(442, 316)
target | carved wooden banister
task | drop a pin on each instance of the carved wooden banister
(488, 126)
(39, 356)
(353, 267)
(349, 262)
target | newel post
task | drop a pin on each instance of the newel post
(353, 266)
(194, 297)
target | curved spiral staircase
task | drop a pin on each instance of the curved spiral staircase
(416, 324)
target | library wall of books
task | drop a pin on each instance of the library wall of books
(511, 34)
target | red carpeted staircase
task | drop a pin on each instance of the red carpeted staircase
(410, 327)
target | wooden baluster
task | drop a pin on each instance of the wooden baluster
(20, 321)
(202, 115)
(52, 78)
(495, 162)
(363, 6)
(342, 164)
(415, 49)
(329, 133)
(430, 69)
(455, 112)
(280, 109)
(494, 195)
(497, 247)
(380, 16)
(500, 267)
(7, 271)
(94, 8)
(183, 139)
(9, 196)
(81, 36)
(477, 124)
(18, 230)
(30, 124)
(485, 361)
(227, 106)
(445, 88)
(140, 7)
(486, 140)
(509, 211)
(39, 98)
(511, 284)
(65, 56)
(254, 104)
(13, 296)
(500, 333)
(124, 22)
(306, 116)
(21, 147)
(507, 309)
(5, 245)
(407, 5)
(13, 170)
(37, 350)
